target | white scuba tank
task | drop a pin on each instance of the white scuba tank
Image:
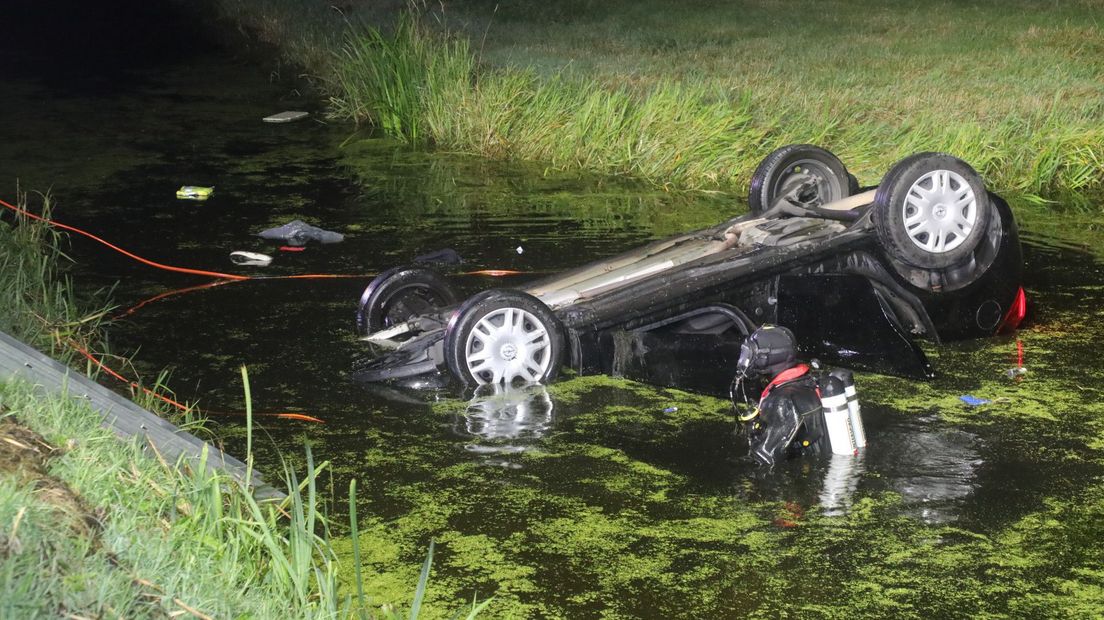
(837, 419)
(843, 421)
(853, 410)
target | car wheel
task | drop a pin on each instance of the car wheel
(813, 175)
(931, 210)
(500, 336)
(399, 294)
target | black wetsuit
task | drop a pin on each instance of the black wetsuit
(790, 422)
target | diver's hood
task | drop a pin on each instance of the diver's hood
(767, 351)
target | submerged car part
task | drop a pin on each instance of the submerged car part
(400, 294)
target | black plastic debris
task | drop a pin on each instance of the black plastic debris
(447, 256)
(297, 232)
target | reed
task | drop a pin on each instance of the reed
(396, 81)
(38, 304)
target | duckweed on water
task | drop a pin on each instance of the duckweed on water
(621, 535)
(1056, 397)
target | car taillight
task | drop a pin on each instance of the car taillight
(1015, 314)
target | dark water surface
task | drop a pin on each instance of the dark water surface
(584, 499)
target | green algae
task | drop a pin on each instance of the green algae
(622, 535)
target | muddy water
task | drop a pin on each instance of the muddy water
(593, 497)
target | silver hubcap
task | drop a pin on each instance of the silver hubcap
(507, 344)
(940, 210)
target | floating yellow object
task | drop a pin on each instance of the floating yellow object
(194, 192)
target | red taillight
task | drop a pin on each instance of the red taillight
(1015, 314)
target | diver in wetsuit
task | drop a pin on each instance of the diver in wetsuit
(787, 421)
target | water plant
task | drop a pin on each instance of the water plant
(39, 304)
(397, 81)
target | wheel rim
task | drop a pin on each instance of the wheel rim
(940, 211)
(507, 344)
(824, 188)
(412, 301)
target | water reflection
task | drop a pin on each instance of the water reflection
(932, 468)
(841, 480)
(506, 419)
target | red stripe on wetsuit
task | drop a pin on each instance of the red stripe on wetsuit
(786, 375)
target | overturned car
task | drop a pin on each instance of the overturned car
(857, 274)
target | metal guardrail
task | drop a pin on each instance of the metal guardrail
(125, 418)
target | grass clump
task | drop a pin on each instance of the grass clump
(39, 305)
(398, 82)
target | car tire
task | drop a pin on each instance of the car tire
(796, 163)
(501, 336)
(931, 210)
(399, 294)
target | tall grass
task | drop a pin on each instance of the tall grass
(694, 97)
(398, 81)
(38, 304)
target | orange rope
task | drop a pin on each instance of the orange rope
(200, 272)
(494, 273)
(173, 293)
(218, 274)
(134, 384)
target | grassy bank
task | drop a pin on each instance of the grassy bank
(693, 95)
(97, 527)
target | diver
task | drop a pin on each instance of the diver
(788, 420)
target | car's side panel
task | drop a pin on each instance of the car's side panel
(840, 318)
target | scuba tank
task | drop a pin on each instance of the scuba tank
(837, 418)
(840, 405)
(853, 409)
